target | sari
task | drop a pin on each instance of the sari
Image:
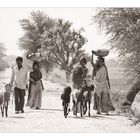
(102, 99)
(35, 89)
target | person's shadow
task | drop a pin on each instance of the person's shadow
(16, 117)
(100, 117)
(44, 109)
(51, 109)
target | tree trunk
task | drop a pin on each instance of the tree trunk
(67, 76)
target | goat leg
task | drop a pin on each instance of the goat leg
(6, 109)
(85, 107)
(2, 110)
(76, 108)
(81, 109)
(89, 108)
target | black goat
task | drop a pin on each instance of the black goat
(66, 100)
(88, 99)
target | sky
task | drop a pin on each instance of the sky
(11, 31)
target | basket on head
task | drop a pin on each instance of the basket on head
(101, 52)
(35, 57)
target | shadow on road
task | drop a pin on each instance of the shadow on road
(100, 117)
(123, 115)
(51, 109)
(76, 117)
(32, 111)
(93, 116)
(16, 117)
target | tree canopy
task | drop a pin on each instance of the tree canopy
(55, 38)
(122, 26)
(3, 63)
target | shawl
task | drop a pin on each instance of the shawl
(35, 75)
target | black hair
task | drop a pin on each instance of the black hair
(83, 60)
(101, 59)
(36, 63)
(19, 58)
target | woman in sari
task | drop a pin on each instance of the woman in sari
(102, 100)
(35, 87)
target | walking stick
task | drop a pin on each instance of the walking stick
(13, 97)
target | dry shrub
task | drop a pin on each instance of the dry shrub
(118, 97)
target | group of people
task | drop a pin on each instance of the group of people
(100, 79)
(20, 81)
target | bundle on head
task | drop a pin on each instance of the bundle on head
(4, 99)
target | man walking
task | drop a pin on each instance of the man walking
(79, 74)
(19, 79)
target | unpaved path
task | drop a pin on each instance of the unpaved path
(50, 118)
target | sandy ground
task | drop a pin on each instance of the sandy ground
(50, 118)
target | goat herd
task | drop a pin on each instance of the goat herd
(81, 100)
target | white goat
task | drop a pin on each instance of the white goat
(4, 99)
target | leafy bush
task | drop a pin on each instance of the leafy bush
(118, 98)
(3, 65)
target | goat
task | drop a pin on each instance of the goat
(66, 100)
(81, 98)
(4, 99)
(88, 99)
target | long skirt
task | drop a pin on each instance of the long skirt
(35, 95)
(1, 99)
(103, 102)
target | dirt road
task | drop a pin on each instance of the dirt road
(50, 118)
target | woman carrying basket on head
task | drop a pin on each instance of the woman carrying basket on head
(102, 100)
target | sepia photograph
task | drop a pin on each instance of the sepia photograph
(69, 70)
